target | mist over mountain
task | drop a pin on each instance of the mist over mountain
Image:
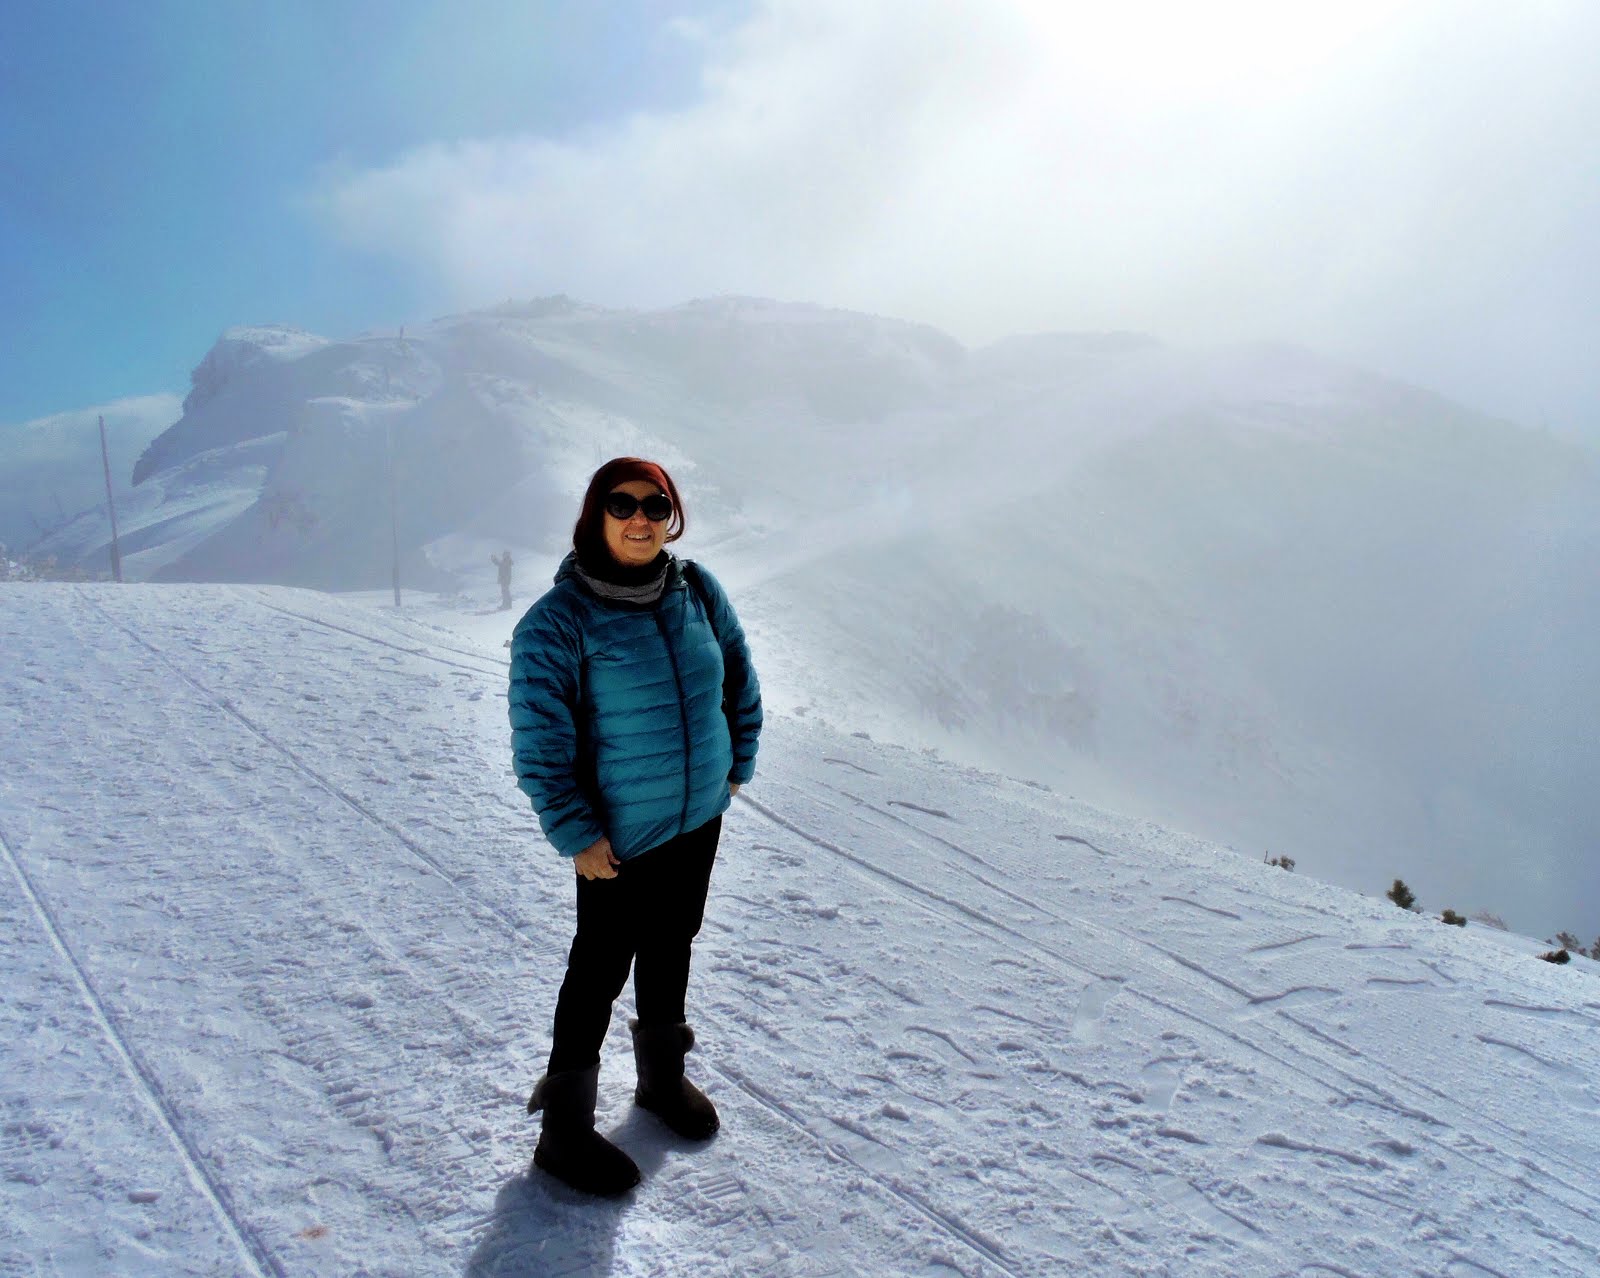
(1252, 592)
(51, 468)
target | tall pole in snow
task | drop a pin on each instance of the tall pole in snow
(394, 518)
(394, 514)
(111, 505)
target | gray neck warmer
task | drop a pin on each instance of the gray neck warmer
(646, 592)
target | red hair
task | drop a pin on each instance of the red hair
(588, 535)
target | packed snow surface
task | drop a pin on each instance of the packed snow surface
(282, 944)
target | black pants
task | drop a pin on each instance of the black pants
(646, 917)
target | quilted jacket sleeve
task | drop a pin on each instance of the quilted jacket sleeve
(741, 691)
(546, 661)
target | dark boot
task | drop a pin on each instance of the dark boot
(658, 1051)
(569, 1147)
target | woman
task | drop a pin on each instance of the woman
(634, 717)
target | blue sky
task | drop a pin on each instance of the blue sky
(1411, 185)
(158, 156)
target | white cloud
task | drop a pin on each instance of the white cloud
(1411, 184)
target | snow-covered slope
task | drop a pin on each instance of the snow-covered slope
(1252, 592)
(282, 943)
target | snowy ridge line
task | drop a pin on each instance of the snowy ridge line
(988, 1249)
(384, 643)
(935, 1216)
(1358, 1081)
(323, 783)
(253, 1251)
(1368, 1091)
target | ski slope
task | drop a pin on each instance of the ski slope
(282, 941)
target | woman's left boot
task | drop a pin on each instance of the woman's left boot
(658, 1050)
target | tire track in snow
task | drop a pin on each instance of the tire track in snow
(1185, 971)
(958, 1230)
(1374, 1093)
(431, 1013)
(253, 1251)
(1250, 1001)
(427, 1121)
(1432, 1095)
(1254, 1004)
(384, 643)
(331, 787)
(1101, 989)
(937, 1217)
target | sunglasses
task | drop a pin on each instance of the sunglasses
(656, 507)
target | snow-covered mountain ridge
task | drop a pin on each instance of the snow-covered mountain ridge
(283, 940)
(1250, 592)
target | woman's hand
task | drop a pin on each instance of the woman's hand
(733, 788)
(597, 861)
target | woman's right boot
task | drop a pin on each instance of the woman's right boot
(569, 1147)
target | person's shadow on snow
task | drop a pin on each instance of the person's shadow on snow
(540, 1226)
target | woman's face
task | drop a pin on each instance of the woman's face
(635, 541)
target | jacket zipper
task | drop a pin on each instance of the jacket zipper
(683, 717)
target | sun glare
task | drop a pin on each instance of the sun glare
(1157, 52)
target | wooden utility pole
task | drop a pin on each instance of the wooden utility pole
(394, 512)
(111, 505)
(394, 519)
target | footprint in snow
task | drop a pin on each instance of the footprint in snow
(1567, 1082)
(1088, 1022)
(1180, 1193)
(719, 1198)
(1161, 1079)
(1540, 1013)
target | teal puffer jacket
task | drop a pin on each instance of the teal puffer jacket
(631, 720)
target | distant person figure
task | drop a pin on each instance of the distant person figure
(503, 563)
(635, 713)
